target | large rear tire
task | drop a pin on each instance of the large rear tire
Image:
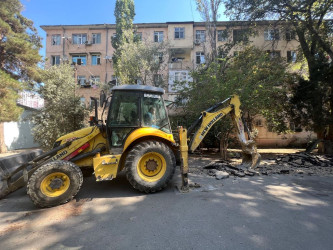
(150, 166)
(54, 183)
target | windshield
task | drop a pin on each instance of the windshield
(154, 113)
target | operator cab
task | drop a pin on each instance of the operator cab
(133, 107)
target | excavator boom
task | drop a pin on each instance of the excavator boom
(208, 118)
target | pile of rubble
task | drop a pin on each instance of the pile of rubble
(222, 170)
(297, 164)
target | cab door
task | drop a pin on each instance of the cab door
(123, 118)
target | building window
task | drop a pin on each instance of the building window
(179, 33)
(200, 57)
(158, 57)
(158, 81)
(180, 76)
(272, 34)
(56, 40)
(200, 36)
(55, 60)
(290, 35)
(96, 38)
(240, 35)
(222, 35)
(158, 36)
(95, 59)
(258, 123)
(80, 59)
(81, 80)
(138, 36)
(79, 38)
(291, 56)
(95, 79)
(274, 54)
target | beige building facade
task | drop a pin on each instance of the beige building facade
(89, 48)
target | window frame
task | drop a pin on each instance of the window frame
(157, 80)
(158, 36)
(79, 57)
(291, 56)
(79, 38)
(56, 40)
(221, 37)
(55, 59)
(200, 36)
(98, 59)
(239, 35)
(179, 31)
(96, 38)
(198, 57)
(272, 34)
(95, 79)
(79, 78)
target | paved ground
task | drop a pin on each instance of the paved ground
(263, 212)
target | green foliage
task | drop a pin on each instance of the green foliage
(9, 87)
(313, 97)
(63, 112)
(140, 60)
(258, 79)
(19, 45)
(124, 13)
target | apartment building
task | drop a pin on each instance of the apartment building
(89, 48)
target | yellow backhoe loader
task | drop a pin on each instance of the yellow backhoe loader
(136, 137)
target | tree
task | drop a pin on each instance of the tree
(209, 13)
(258, 79)
(124, 13)
(143, 61)
(63, 112)
(307, 19)
(19, 45)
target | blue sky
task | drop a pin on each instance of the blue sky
(55, 12)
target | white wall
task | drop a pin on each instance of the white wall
(18, 134)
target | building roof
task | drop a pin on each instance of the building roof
(154, 25)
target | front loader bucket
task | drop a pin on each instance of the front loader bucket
(11, 180)
(4, 190)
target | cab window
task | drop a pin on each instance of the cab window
(124, 110)
(154, 113)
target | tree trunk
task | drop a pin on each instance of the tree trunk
(224, 148)
(3, 148)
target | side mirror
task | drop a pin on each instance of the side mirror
(102, 98)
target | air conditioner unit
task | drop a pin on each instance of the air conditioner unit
(88, 43)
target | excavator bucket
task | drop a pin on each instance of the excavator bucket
(251, 157)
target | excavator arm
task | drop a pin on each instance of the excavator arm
(208, 118)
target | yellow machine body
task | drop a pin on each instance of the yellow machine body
(106, 166)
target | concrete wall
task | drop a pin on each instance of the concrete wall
(18, 134)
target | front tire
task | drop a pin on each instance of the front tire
(54, 183)
(150, 166)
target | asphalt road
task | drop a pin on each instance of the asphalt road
(263, 212)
